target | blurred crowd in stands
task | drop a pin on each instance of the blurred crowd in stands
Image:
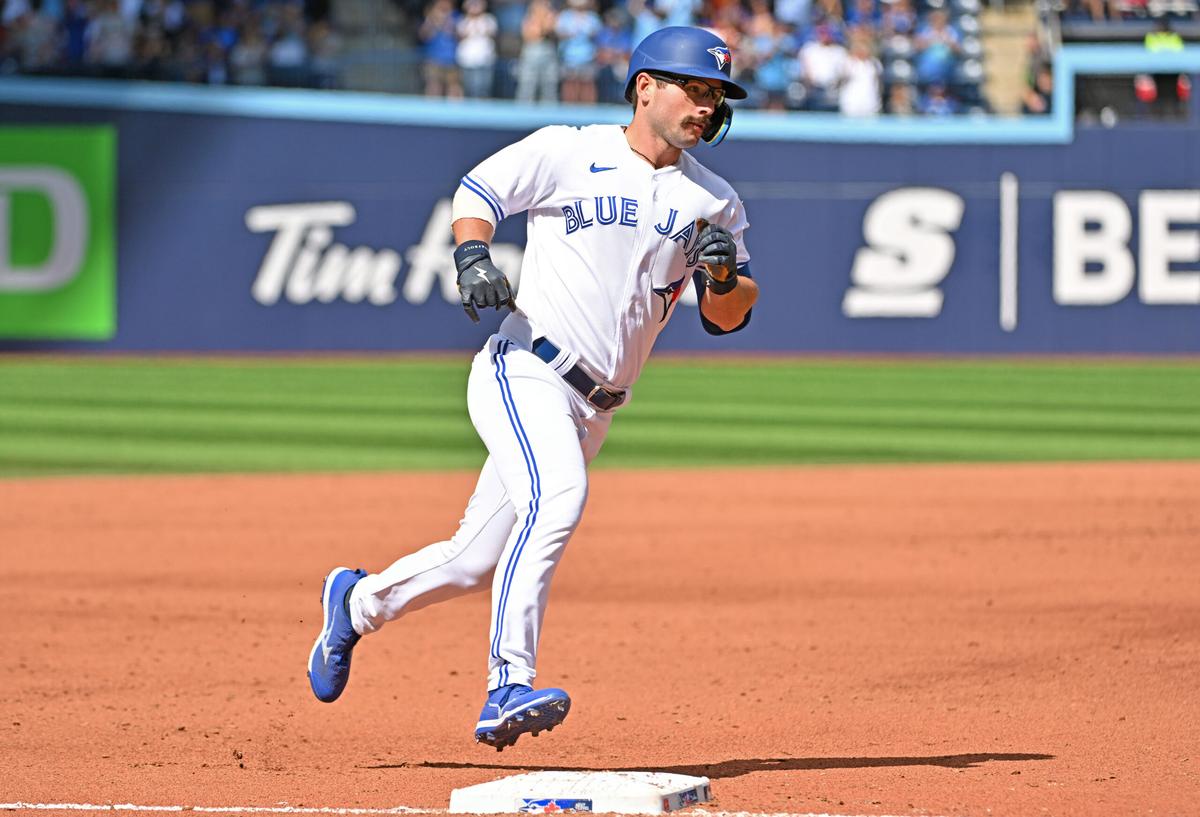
(857, 57)
(818, 55)
(217, 43)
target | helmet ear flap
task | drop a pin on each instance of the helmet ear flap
(718, 125)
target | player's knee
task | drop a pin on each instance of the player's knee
(470, 576)
(465, 567)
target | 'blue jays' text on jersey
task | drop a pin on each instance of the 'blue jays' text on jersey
(611, 241)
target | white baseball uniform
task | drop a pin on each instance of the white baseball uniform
(611, 244)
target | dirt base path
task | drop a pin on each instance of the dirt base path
(981, 640)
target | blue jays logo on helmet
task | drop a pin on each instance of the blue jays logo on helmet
(721, 53)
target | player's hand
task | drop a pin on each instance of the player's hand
(718, 257)
(480, 283)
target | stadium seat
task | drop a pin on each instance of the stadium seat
(968, 72)
(968, 25)
(899, 72)
(898, 46)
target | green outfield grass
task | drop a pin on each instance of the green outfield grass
(78, 416)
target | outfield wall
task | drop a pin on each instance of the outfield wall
(252, 232)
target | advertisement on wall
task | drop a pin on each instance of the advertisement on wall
(57, 238)
(262, 234)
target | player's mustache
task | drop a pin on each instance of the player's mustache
(701, 121)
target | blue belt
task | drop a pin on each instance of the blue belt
(600, 397)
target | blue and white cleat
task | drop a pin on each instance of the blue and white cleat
(513, 710)
(329, 661)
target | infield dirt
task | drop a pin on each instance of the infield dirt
(979, 640)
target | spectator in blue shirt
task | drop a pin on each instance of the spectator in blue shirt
(772, 54)
(678, 12)
(938, 47)
(898, 17)
(224, 32)
(75, 23)
(537, 68)
(864, 14)
(439, 34)
(613, 49)
(577, 29)
(796, 13)
(646, 20)
(936, 102)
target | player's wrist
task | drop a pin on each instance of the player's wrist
(722, 287)
(469, 253)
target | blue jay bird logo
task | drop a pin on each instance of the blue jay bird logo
(721, 54)
(669, 294)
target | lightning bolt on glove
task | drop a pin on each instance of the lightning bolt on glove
(718, 257)
(480, 283)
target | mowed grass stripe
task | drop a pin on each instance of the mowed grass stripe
(42, 455)
(355, 388)
(401, 426)
(977, 417)
(197, 416)
(1115, 387)
(891, 445)
(83, 415)
(278, 427)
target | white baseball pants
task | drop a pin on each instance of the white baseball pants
(540, 435)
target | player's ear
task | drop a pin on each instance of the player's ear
(642, 87)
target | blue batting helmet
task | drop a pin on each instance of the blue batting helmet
(684, 52)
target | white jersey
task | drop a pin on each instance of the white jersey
(611, 241)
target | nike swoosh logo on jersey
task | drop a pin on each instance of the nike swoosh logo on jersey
(595, 169)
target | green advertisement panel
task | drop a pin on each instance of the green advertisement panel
(58, 233)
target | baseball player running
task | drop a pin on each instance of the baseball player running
(619, 220)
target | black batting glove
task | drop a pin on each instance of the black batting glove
(480, 283)
(718, 256)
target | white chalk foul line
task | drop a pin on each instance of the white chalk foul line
(706, 813)
(212, 809)
(328, 810)
(703, 813)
